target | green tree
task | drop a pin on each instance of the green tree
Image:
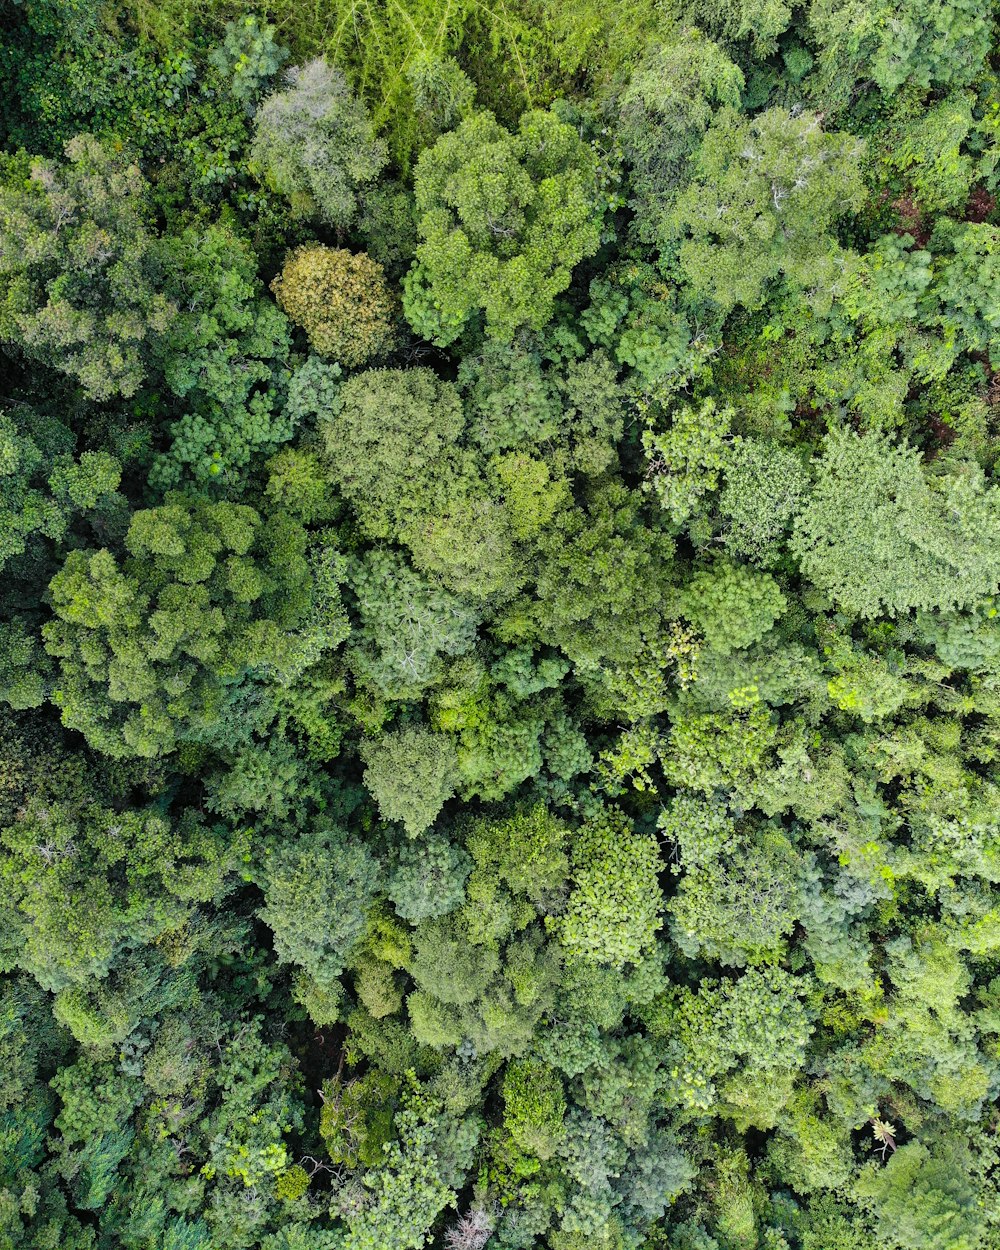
(723, 751)
(408, 627)
(684, 462)
(87, 885)
(356, 1119)
(248, 57)
(732, 606)
(534, 1107)
(390, 433)
(613, 911)
(146, 647)
(765, 194)
(224, 355)
(408, 1191)
(738, 905)
(880, 534)
(95, 1127)
(663, 113)
(963, 290)
(527, 851)
(428, 879)
(603, 580)
(893, 42)
(318, 891)
(44, 488)
(925, 1198)
(82, 269)
(411, 773)
(504, 218)
(764, 486)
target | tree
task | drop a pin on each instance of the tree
(411, 773)
(314, 143)
(408, 1191)
(483, 992)
(356, 1118)
(684, 462)
(408, 628)
(732, 606)
(82, 269)
(318, 890)
(95, 1127)
(225, 355)
(503, 220)
(527, 851)
(81, 888)
(394, 449)
(968, 277)
(738, 905)
(146, 647)
(757, 22)
(88, 886)
(428, 879)
(881, 534)
(892, 42)
(811, 1148)
(534, 1107)
(719, 750)
(511, 401)
(602, 580)
(925, 1198)
(248, 57)
(44, 488)
(391, 433)
(762, 201)
(341, 300)
(664, 110)
(449, 967)
(764, 486)
(929, 154)
(612, 914)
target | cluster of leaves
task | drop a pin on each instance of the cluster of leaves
(499, 740)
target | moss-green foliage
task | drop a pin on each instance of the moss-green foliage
(923, 1198)
(499, 635)
(685, 460)
(319, 890)
(411, 774)
(408, 627)
(428, 879)
(664, 112)
(340, 300)
(732, 606)
(764, 195)
(763, 490)
(388, 435)
(81, 268)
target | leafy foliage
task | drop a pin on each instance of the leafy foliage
(340, 300)
(504, 218)
(499, 625)
(314, 143)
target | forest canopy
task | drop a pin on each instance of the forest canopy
(499, 625)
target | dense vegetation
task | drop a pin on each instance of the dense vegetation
(499, 637)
